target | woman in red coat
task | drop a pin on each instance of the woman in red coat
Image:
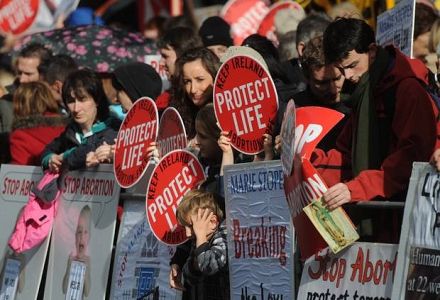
(36, 123)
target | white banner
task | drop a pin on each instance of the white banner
(141, 264)
(15, 184)
(418, 271)
(363, 271)
(82, 239)
(260, 234)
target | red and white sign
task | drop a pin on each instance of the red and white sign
(305, 184)
(172, 135)
(154, 62)
(245, 102)
(16, 16)
(288, 138)
(177, 173)
(137, 131)
(267, 26)
(244, 16)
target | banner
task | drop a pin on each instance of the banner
(244, 16)
(418, 269)
(82, 237)
(396, 26)
(137, 131)
(20, 274)
(363, 271)
(141, 264)
(172, 134)
(177, 173)
(245, 102)
(260, 234)
(29, 16)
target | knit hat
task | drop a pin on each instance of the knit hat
(137, 80)
(215, 31)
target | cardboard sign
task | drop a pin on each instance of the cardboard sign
(288, 138)
(172, 134)
(137, 131)
(244, 16)
(267, 26)
(418, 275)
(141, 264)
(17, 16)
(82, 238)
(396, 26)
(245, 102)
(260, 234)
(363, 271)
(177, 173)
(20, 274)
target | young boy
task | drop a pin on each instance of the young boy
(206, 269)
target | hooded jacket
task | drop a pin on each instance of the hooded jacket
(411, 130)
(31, 134)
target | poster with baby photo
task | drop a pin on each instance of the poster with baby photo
(82, 238)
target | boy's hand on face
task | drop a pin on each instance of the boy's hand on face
(201, 224)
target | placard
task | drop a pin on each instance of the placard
(396, 26)
(245, 102)
(260, 234)
(177, 173)
(267, 25)
(418, 269)
(15, 183)
(137, 131)
(244, 16)
(172, 134)
(82, 236)
(287, 134)
(154, 61)
(363, 271)
(141, 264)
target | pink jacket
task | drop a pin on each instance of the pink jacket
(35, 221)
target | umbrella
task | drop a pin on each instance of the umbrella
(100, 48)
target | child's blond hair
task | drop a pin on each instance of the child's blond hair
(194, 200)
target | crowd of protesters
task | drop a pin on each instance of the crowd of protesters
(58, 115)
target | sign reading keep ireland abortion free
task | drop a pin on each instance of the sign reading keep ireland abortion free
(245, 102)
(137, 131)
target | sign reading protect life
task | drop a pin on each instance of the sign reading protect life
(137, 131)
(245, 102)
(172, 134)
(177, 173)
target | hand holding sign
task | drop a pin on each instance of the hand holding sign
(245, 102)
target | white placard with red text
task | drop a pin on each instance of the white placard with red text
(363, 271)
(245, 102)
(244, 16)
(177, 173)
(138, 130)
(418, 268)
(154, 61)
(260, 234)
(172, 134)
(15, 184)
(141, 263)
(83, 232)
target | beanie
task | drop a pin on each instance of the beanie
(137, 80)
(215, 31)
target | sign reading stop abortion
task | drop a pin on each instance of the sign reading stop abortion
(245, 102)
(137, 131)
(172, 135)
(177, 173)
